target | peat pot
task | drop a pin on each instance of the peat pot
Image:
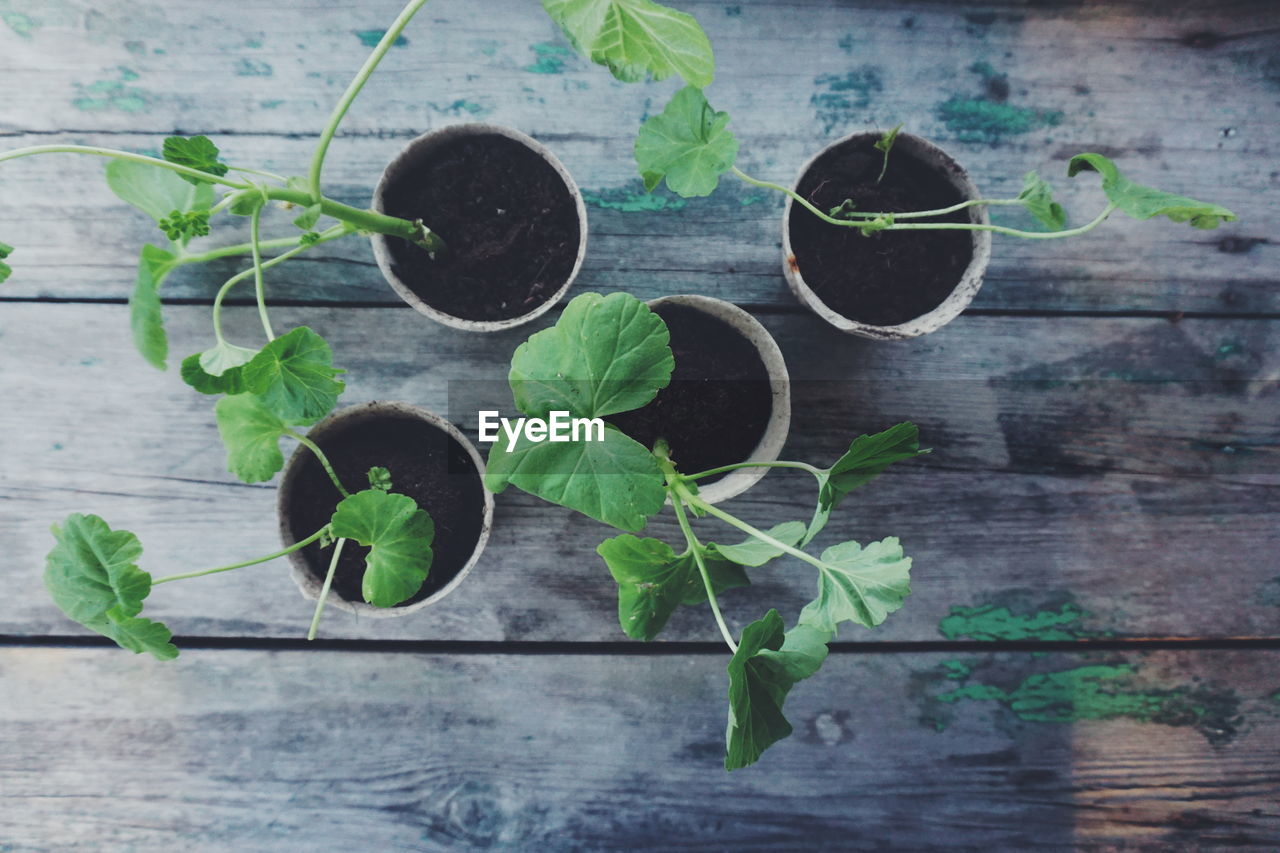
(509, 212)
(892, 285)
(429, 460)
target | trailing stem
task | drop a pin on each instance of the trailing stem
(294, 547)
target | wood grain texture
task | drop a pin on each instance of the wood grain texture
(1130, 465)
(1184, 98)
(266, 751)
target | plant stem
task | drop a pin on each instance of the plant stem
(121, 155)
(349, 96)
(803, 466)
(237, 249)
(1013, 232)
(324, 460)
(363, 220)
(324, 590)
(294, 547)
(258, 284)
(696, 547)
(694, 501)
(325, 236)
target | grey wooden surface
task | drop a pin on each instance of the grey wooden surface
(1105, 425)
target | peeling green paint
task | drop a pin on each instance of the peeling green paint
(550, 58)
(370, 38)
(22, 24)
(632, 199)
(1228, 348)
(486, 47)
(981, 120)
(846, 43)
(252, 43)
(1111, 691)
(270, 105)
(956, 670)
(252, 68)
(845, 94)
(112, 95)
(460, 107)
(733, 11)
(990, 623)
(748, 200)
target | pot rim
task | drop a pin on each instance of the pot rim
(775, 434)
(308, 584)
(420, 146)
(965, 289)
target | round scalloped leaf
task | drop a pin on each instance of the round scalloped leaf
(398, 534)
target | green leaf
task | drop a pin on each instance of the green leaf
(398, 534)
(688, 144)
(157, 191)
(145, 313)
(246, 204)
(217, 370)
(294, 376)
(1037, 197)
(195, 152)
(865, 459)
(1142, 202)
(766, 666)
(5, 270)
(755, 552)
(652, 581)
(636, 38)
(616, 481)
(380, 478)
(856, 584)
(606, 354)
(93, 577)
(885, 144)
(308, 218)
(251, 433)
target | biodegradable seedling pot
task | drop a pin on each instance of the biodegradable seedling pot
(415, 445)
(710, 359)
(508, 211)
(859, 287)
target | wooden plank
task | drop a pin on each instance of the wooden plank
(290, 750)
(1128, 466)
(1183, 98)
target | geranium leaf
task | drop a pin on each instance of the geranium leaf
(653, 580)
(766, 666)
(93, 577)
(251, 434)
(688, 144)
(616, 481)
(754, 552)
(635, 39)
(606, 354)
(1143, 202)
(398, 534)
(146, 316)
(294, 376)
(856, 584)
(1037, 197)
(195, 152)
(865, 459)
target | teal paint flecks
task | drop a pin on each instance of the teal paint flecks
(112, 95)
(844, 95)
(733, 11)
(270, 105)
(989, 118)
(486, 47)
(22, 24)
(549, 58)
(990, 623)
(632, 199)
(846, 43)
(253, 68)
(1228, 348)
(1108, 692)
(370, 38)
(461, 107)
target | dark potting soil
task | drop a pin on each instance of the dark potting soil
(425, 463)
(889, 277)
(717, 407)
(507, 217)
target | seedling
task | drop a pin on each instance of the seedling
(689, 146)
(610, 354)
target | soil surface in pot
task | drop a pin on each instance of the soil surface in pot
(717, 407)
(887, 278)
(509, 221)
(425, 463)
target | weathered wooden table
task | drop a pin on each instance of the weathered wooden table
(1091, 655)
